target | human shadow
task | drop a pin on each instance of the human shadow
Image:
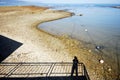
(75, 66)
(7, 46)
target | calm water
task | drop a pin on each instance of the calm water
(99, 25)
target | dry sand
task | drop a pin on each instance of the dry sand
(20, 24)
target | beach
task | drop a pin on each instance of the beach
(20, 24)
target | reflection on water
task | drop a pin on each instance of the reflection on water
(97, 26)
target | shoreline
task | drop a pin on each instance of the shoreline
(78, 44)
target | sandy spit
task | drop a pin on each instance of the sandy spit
(19, 23)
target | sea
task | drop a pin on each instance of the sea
(96, 25)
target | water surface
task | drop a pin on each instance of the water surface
(99, 25)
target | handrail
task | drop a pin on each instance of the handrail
(49, 68)
(86, 73)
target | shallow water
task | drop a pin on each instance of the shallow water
(98, 26)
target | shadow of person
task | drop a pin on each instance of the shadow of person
(74, 67)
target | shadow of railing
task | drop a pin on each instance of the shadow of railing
(47, 78)
(86, 73)
(7, 46)
(42, 71)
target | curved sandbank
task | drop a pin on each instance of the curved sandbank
(20, 24)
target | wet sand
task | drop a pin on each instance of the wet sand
(20, 24)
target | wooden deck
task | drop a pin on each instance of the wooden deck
(42, 70)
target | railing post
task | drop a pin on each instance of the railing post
(50, 70)
(85, 73)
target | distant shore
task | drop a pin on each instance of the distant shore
(116, 7)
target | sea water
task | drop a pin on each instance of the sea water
(99, 25)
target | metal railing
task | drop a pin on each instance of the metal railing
(39, 69)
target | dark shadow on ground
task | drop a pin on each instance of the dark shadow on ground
(7, 46)
(48, 78)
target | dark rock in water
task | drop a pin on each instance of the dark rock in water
(99, 47)
(80, 14)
